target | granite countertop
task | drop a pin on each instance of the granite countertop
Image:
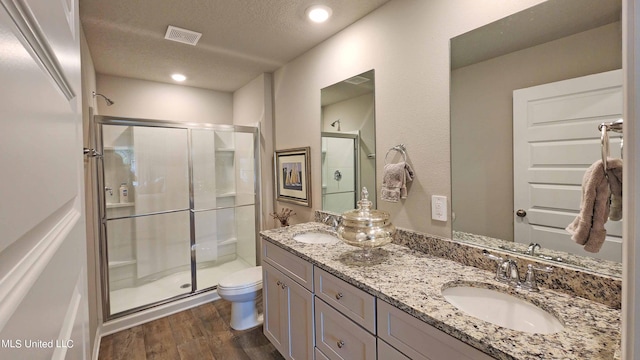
(412, 281)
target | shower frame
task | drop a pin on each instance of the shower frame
(98, 122)
(356, 159)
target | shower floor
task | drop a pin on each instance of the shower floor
(169, 286)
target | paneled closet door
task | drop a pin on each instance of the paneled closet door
(43, 288)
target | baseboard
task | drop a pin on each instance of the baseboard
(148, 315)
(96, 343)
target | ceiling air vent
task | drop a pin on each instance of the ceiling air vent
(357, 80)
(182, 35)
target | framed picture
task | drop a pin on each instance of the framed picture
(293, 180)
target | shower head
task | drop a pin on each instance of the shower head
(333, 124)
(106, 99)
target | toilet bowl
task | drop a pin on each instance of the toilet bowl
(241, 289)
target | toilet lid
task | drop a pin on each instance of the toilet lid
(243, 278)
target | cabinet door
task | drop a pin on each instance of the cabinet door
(300, 315)
(288, 314)
(275, 307)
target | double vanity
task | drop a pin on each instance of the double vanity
(322, 302)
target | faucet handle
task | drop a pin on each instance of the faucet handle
(530, 281)
(501, 274)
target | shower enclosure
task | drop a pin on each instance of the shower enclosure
(340, 171)
(178, 209)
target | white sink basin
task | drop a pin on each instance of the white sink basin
(315, 237)
(502, 309)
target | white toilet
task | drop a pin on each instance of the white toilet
(241, 289)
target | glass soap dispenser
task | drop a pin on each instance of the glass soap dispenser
(366, 228)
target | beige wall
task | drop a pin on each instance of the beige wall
(481, 120)
(407, 43)
(153, 100)
(253, 106)
(93, 273)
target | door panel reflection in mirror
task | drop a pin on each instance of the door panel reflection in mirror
(517, 52)
(556, 139)
(348, 141)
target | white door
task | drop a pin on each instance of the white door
(556, 138)
(43, 282)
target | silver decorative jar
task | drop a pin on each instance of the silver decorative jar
(366, 228)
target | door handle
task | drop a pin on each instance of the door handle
(521, 213)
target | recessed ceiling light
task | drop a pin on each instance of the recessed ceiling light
(319, 13)
(178, 77)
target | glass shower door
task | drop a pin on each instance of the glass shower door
(147, 222)
(223, 203)
(339, 171)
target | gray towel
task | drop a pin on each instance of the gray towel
(394, 181)
(588, 227)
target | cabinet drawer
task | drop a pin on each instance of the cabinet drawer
(340, 338)
(320, 355)
(419, 340)
(386, 352)
(294, 267)
(346, 298)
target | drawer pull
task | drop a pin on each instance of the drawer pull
(340, 344)
(284, 285)
(279, 283)
(339, 296)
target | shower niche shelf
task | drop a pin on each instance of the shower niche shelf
(120, 205)
(121, 263)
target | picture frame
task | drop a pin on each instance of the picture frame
(292, 170)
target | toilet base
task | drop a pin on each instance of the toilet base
(244, 315)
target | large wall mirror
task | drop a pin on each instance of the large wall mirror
(348, 142)
(532, 54)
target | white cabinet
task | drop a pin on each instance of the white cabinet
(356, 304)
(340, 338)
(386, 352)
(347, 319)
(419, 340)
(288, 313)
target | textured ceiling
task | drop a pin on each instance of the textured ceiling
(241, 38)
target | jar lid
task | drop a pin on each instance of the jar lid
(365, 227)
(364, 214)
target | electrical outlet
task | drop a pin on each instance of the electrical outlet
(439, 207)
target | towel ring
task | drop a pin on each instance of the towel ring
(399, 148)
(604, 146)
(604, 139)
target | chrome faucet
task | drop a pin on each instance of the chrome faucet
(110, 190)
(511, 272)
(507, 272)
(531, 250)
(332, 221)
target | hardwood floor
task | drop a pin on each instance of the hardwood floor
(200, 333)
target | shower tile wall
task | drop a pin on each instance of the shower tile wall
(162, 184)
(118, 161)
(245, 195)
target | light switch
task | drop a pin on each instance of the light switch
(439, 207)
